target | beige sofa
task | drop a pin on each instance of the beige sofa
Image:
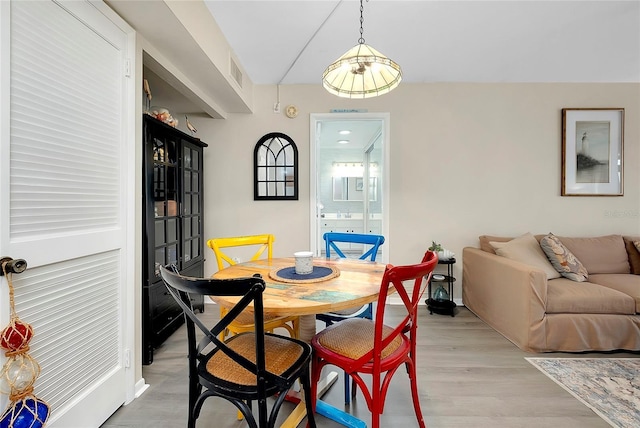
(540, 314)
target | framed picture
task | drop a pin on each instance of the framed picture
(592, 151)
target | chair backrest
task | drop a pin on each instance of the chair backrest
(332, 238)
(217, 244)
(393, 279)
(250, 289)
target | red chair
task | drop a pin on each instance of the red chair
(360, 345)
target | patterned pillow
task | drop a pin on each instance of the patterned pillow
(562, 259)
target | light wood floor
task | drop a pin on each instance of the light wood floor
(469, 376)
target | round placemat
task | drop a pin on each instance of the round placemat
(319, 274)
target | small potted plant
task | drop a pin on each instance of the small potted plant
(437, 248)
(442, 253)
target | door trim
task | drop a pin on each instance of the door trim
(315, 120)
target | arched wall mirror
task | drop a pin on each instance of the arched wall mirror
(275, 161)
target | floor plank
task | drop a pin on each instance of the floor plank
(469, 376)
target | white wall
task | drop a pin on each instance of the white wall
(466, 160)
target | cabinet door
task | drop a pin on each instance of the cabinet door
(374, 227)
(327, 226)
(192, 244)
(347, 226)
(165, 202)
(161, 200)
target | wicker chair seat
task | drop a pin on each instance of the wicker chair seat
(246, 318)
(354, 337)
(280, 355)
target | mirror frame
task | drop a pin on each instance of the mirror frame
(315, 120)
(271, 176)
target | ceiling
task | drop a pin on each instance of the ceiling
(359, 134)
(292, 42)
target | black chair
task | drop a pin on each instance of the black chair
(245, 367)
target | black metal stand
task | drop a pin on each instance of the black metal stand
(443, 307)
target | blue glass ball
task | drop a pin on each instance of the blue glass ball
(26, 413)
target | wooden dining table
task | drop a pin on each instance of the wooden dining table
(352, 283)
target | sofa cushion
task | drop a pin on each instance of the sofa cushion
(562, 259)
(526, 249)
(566, 296)
(627, 284)
(602, 254)
(633, 253)
(486, 246)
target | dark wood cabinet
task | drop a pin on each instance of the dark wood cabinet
(172, 225)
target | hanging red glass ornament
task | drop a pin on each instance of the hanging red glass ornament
(16, 336)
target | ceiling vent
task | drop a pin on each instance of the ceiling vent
(236, 73)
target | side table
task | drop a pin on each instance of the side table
(443, 307)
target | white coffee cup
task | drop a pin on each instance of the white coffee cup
(304, 262)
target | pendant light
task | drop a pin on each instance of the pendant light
(362, 72)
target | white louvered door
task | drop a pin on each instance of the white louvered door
(65, 154)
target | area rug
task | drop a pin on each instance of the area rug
(608, 386)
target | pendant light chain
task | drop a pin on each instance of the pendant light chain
(361, 39)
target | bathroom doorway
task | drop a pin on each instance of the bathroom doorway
(348, 167)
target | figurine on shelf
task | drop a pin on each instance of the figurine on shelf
(163, 115)
(147, 91)
(190, 125)
(440, 294)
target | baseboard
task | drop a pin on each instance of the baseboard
(141, 387)
(395, 300)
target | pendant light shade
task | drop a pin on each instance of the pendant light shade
(362, 72)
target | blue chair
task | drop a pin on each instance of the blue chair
(332, 241)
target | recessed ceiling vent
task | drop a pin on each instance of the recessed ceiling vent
(236, 73)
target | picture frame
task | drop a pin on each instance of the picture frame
(592, 152)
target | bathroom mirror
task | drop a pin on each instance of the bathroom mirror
(351, 188)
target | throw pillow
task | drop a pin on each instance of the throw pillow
(633, 252)
(637, 244)
(562, 259)
(526, 249)
(485, 242)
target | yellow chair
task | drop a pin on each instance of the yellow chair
(244, 322)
